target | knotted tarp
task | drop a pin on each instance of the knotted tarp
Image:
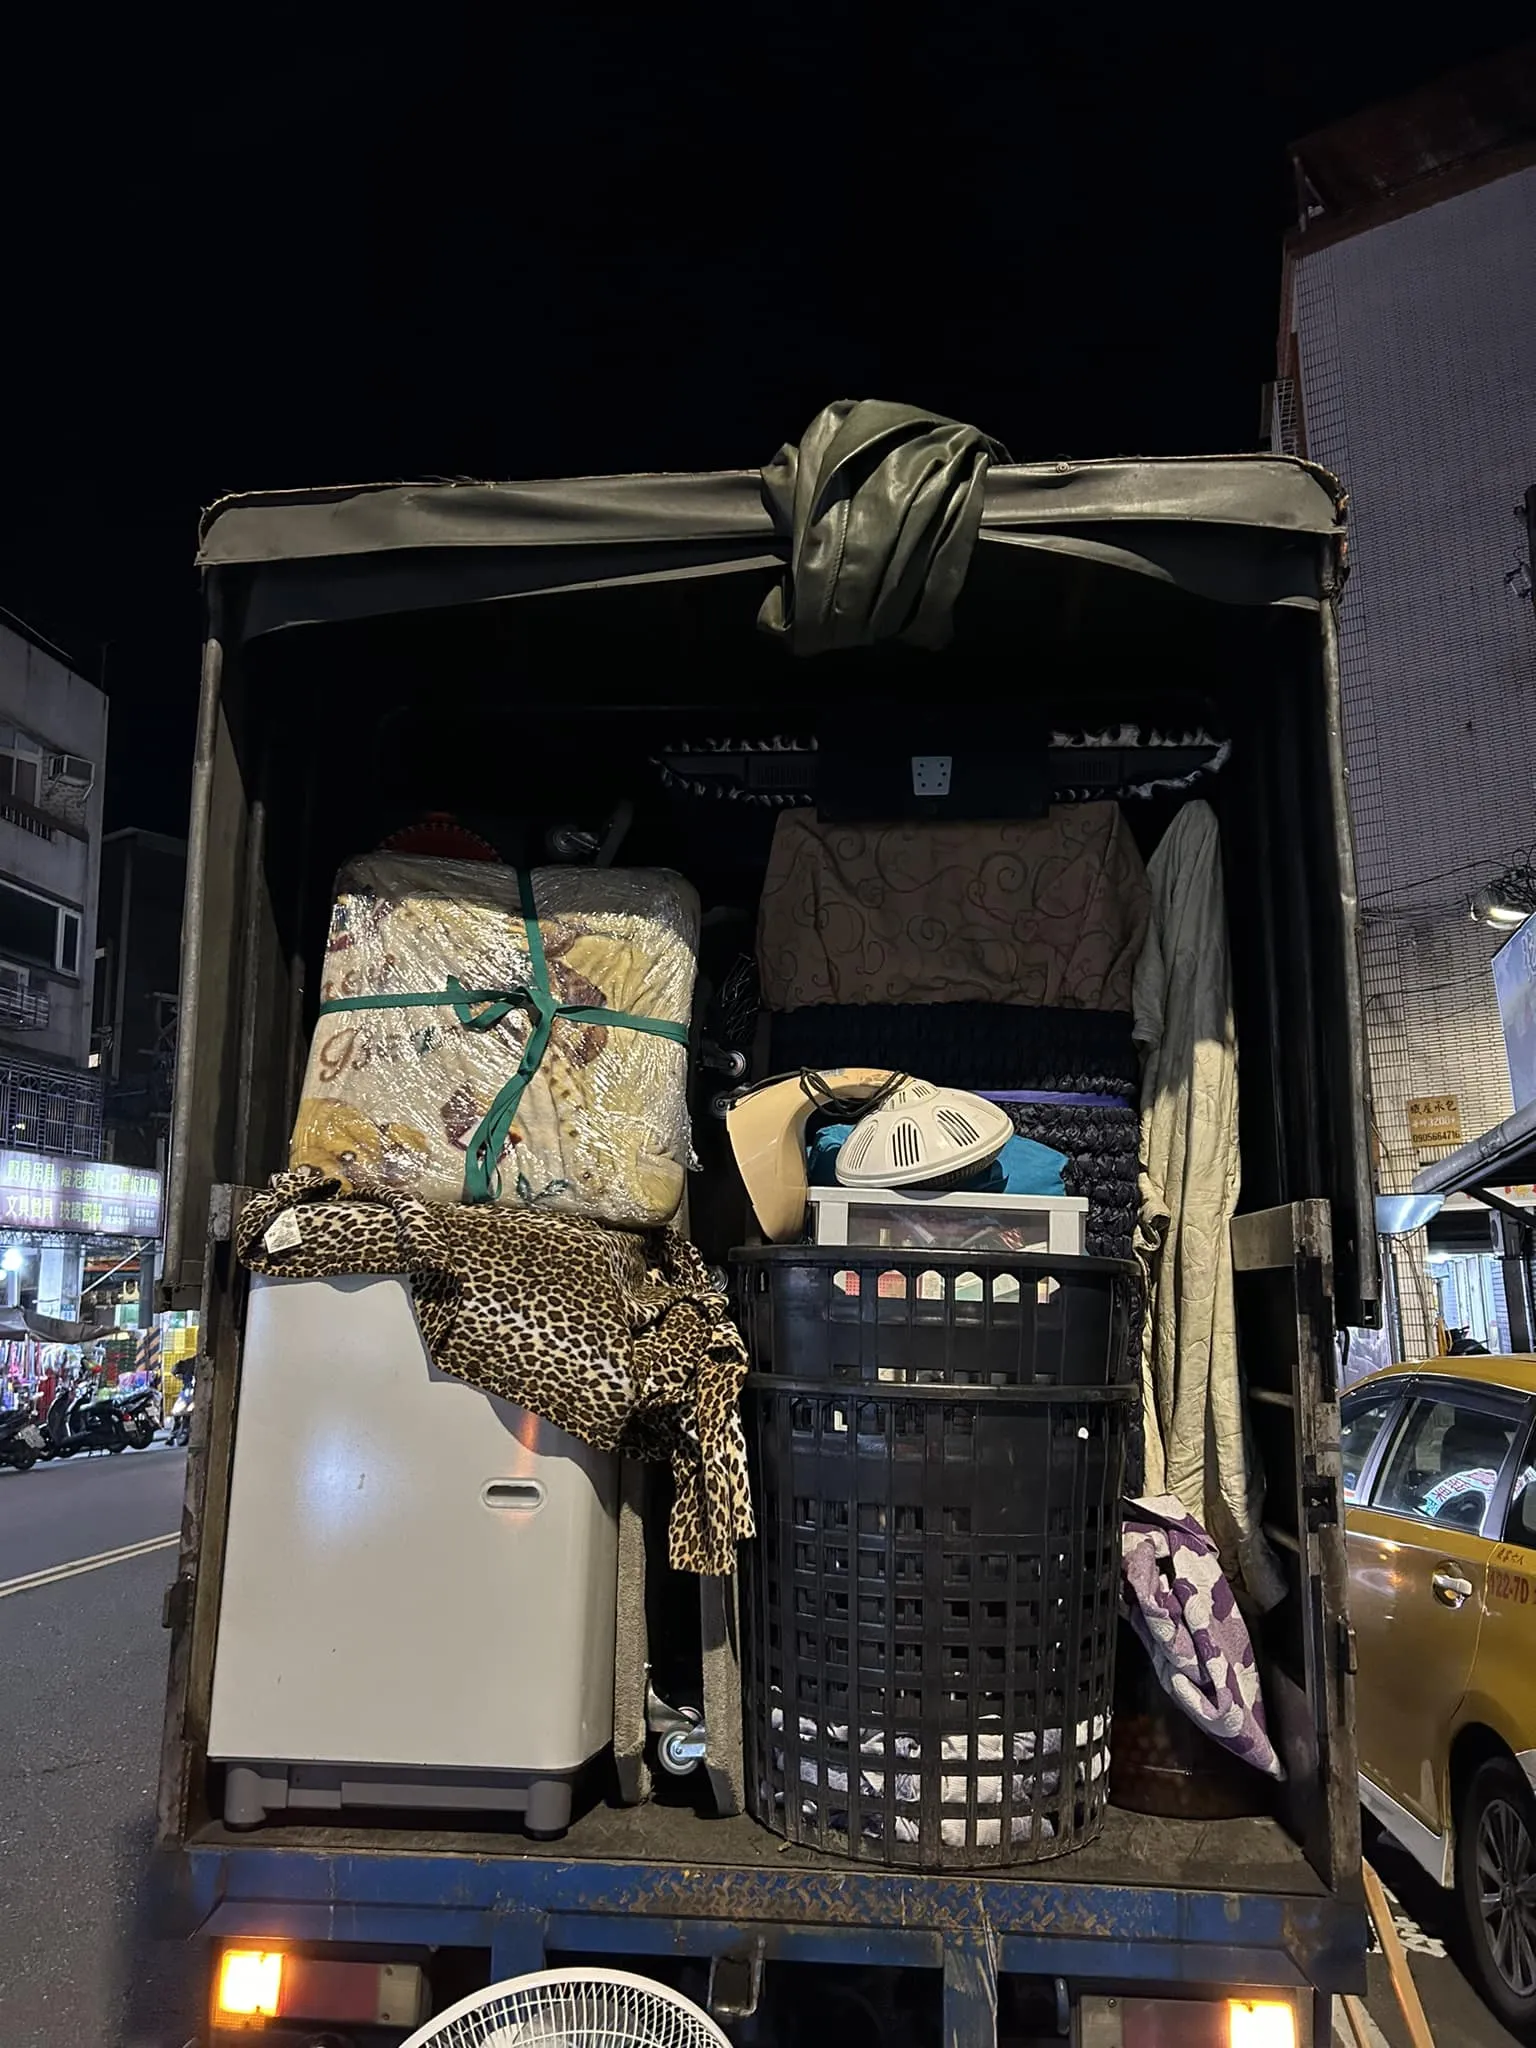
(881, 505)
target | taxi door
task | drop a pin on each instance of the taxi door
(1419, 1557)
(1503, 1689)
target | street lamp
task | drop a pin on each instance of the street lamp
(1503, 917)
(1509, 899)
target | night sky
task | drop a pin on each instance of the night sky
(254, 251)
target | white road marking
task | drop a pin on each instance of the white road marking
(76, 1566)
(1375, 2038)
(1411, 1934)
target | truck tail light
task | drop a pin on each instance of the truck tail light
(256, 1985)
(1261, 2023)
(250, 1986)
(1264, 2020)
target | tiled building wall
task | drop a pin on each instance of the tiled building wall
(1418, 387)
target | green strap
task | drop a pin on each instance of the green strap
(482, 1009)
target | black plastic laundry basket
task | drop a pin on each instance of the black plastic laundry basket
(929, 1611)
(958, 1319)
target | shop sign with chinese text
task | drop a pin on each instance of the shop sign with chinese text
(39, 1191)
(1435, 1120)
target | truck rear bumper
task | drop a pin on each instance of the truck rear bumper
(521, 1909)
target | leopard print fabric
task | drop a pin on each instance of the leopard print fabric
(614, 1335)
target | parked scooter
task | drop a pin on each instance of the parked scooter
(21, 1441)
(181, 1417)
(92, 1420)
(79, 1419)
(138, 1408)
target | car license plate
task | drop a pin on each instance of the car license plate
(31, 1436)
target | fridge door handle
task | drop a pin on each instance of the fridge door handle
(524, 1496)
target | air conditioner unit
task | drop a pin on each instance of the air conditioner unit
(17, 978)
(71, 768)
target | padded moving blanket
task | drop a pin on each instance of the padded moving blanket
(1047, 911)
(467, 1050)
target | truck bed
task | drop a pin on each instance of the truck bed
(1132, 1849)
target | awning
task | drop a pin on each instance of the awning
(25, 1322)
(1242, 530)
(1502, 1157)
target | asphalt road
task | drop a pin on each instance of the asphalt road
(82, 1673)
(82, 1676)
(1454, 2010)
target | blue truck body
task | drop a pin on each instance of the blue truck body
(522, 1910)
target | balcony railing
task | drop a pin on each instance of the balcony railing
(23, 1009)
(50, 1109)
(28, 818)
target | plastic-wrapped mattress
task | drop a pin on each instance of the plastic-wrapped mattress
(467, 1051)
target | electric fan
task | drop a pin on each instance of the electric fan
(923, 1137)
(572, 2009)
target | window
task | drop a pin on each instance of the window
(1446, 1464)
(1520, 1522)
(21, 763)
(1359, 1428)
(41, 933)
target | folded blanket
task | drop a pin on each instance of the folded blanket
(617, 1337)
(467, 1050)
(1102, 1147)
(1050, 910)
(1177, 1599)
(966, 1045)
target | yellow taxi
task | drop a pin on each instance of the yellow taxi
(1440, 1486)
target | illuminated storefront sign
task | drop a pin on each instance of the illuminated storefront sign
(38, 1192)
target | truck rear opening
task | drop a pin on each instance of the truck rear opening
(538, 659)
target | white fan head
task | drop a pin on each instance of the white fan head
(572, 2009)
(923, 1137)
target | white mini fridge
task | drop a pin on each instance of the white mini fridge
(419, 1580)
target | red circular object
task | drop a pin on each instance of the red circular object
(439, 836)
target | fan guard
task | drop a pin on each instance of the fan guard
(572, 2009)
(923, 1137)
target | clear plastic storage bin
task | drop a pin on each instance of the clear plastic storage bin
(889, 1220)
